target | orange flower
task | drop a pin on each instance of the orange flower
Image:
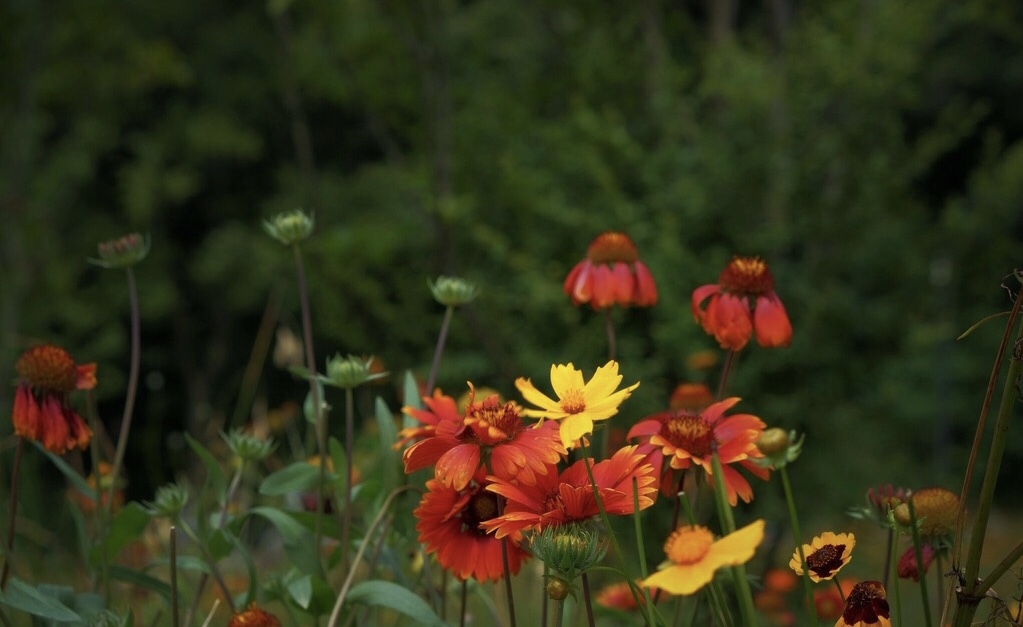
(866, 606)
(611, 274)
(683, 438)
(450, 525)
(743, 302)
(254, 617)
(46, 376)
(560, 499)
(490, 430)
(694, 556)
(825, 555)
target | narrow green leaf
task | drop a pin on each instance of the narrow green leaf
(76, 479)
(391, 595)
(21, 596)
(296, 477)
(388, 436)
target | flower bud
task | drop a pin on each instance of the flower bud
(453, 291)
(289, 227)
(122, 252)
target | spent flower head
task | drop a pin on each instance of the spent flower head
(452, 291)
(350, 372)
(248, 447)
(289, 227)
(123, 252)
(170, 499)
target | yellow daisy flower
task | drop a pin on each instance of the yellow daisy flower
(694, 556)
(579, 403)
(825, 555)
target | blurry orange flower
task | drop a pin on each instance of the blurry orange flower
(825, 555)
(492, 431)
(743, 302)
(46, 376)
(579, 404)
(450, 526)
(866, 606)
(254, 617)
(675, 440)
(566, 498)
(694, 556)
(611, 274)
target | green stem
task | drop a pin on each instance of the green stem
(12, 515)
(739, 578)
(919, 553)
(811, 613)
(442, 337)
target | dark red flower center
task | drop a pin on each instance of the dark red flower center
(747, 276)
(866, 604)
(690, 433)
(481, 507)
(825, 560)
(612, 247)
(47, 368)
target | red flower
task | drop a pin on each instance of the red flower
(566, 498)
(743, 302)
(46, 375)
(492, 431)
(450, 526)
(683, 438)
(907, 562)
(611, 274)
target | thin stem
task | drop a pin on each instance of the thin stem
(174, 575)
(133, 383)
(13, 514)
(919, 553)
(790, 500)
(588, 600)
(442, 337)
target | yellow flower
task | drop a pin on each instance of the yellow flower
(694, 556)
(825, 555)
(579, 404)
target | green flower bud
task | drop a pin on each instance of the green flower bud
(169, 501)
(453, 291)
(248, 447)
(350, 372)
(122, 252)
(289, 227)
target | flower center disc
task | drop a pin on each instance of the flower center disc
(573, 402)
(47, 368)
(747, 276)
(689, 433)
(688, 545)
(612, 247)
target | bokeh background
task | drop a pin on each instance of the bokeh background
(870, 151)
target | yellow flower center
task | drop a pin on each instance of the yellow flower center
(690, 433)
(573, 402)
(747, 276)
(688, 544)
(612, 247)
(47, 368)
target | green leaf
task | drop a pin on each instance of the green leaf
(298, 542)
(127, 526)
(391, 595)
(21, 596)
(215, 478)
(299, 476)
(73, 476)
(388, 436)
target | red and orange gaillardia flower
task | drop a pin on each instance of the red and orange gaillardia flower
(491, 433)
(676, 440)
(450, 526)
(611, 274)
(825, 555)
(46, 376)
(743, 303)
(567, 498)
(866, 606)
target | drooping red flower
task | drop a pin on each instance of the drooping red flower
(490, 431)
(566, 498)
(743, 302)
(908, 568)
(678, 439)
(450, 527)
(611, 274)
(46, 376)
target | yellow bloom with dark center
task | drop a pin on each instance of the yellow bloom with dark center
(694, 556)
(825, 555)
(580, 403)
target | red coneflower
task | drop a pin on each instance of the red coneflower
(611, 274)
(46, 376)
(675, 440)
(742, 302)
(566, 498)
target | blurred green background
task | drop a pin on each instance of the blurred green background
(870, 151)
